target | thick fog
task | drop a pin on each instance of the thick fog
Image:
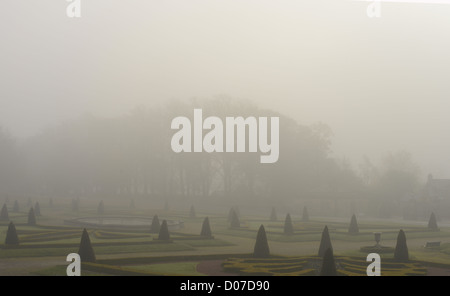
(380, 84)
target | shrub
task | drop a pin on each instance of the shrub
(432, 224)
(305, 216)
(16, 207)
(234, 220)
(305, 265)
(273, 215)
(353, 228)
(230, 214)
(86, 251)
(206, 228)
(31, 217)
(325, 242)
(261, 249)
(156, 226)
(328, 265)
(401, 249)
(11, 235)
(4, 214)
(234, 209)
(288, 227)
(37, 209)
(164, 231)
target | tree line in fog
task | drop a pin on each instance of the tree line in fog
(131, 155)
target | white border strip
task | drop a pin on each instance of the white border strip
(410, 1)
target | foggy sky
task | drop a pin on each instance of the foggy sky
(380, 84)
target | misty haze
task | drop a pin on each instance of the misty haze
(91, 109)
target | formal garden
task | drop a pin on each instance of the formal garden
(113, 239)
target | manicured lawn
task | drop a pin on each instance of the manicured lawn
(207, 243)
(63, 251)
(61, 271)
(179, 268)
(38, 252)
(53, 238)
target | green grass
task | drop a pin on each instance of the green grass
(99, 250)
(179, 268)
(171, 247)
(207, 243)
(424, 255)
(60, 270)
(52, 238)
(41, 252)
(312, 231)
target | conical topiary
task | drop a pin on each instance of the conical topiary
(353, 227)
(4, 216)
(164, 231)
(101, 208)
(305, 215)
(273, 215)
(401, 253)
(288, 227)
(234, 219)
(16, 207)
(156, 226)
(192, 212)
(432, 224)
(31, 217)
(261, 249)
(328, 265)
(29, 203)
(11, 235)
(236, 210)
(37, 209)
(86, 251)
(230, 214)
(206, 228)
(325, 242)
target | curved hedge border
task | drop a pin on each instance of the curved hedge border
(310, 265)
(101, 234)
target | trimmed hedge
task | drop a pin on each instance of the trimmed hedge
(115, 270)
(100, 234)
(48, 236)
(149, 260)
(310, 265)
(76, 245)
